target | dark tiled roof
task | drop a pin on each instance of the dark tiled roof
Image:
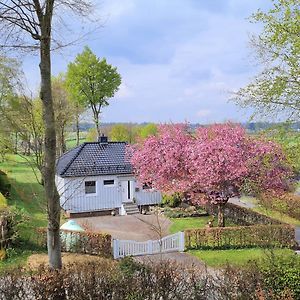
(92, 159)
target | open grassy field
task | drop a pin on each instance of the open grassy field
(237, 257)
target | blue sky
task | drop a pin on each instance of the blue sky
(179, 59)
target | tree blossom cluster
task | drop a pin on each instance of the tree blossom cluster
(216, 162)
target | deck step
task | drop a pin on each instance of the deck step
(131, 208)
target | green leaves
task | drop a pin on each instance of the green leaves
(92, 81)
(275, 90)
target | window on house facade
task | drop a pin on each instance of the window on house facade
(147, 186)
(90, 187)
(109, 182)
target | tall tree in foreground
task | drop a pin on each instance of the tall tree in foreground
(27, 24)
(215, 164)
(275, 91)
(92, 82)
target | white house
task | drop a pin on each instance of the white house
(97, 177)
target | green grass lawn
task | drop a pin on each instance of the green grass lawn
(237, 257)
(181, 224)
(17, 259)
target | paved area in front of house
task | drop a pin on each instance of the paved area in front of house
(132, 227)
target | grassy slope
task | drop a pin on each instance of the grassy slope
(271, 213)
(27, 195)
(237, 257)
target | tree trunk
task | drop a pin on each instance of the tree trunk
(52, 196)
(16, 142)
(62, 140)
(97, 123)
(77, 130)
(221, 219)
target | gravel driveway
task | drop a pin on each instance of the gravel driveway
(131, 227)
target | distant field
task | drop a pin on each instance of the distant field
(71, 139)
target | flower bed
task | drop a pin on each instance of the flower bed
(240, 237)
(80, 242)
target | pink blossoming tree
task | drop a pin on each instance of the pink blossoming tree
(213, 164)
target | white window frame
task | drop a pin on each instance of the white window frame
(90, 194)
(109, 185)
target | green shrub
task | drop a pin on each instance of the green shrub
(172, 200)
(129, 266)
(10, 221)
(4, 184)
(282, 272)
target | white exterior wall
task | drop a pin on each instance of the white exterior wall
(60, 185)
(74, 199)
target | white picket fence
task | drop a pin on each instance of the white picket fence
(170, 243)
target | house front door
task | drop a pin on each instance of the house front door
(127, 191)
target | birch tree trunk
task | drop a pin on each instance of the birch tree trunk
(52, 196)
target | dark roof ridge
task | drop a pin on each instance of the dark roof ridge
(109, 142)
(74, 157)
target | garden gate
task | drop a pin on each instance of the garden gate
(170, 243)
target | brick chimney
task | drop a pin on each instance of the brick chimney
(103, 139)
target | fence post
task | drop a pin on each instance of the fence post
(116, 248)
(181, 241)
(150, 247)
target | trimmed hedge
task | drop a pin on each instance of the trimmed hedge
(80, 242)
(240, 237)
(242, 216)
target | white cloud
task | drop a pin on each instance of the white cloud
(178, 61)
